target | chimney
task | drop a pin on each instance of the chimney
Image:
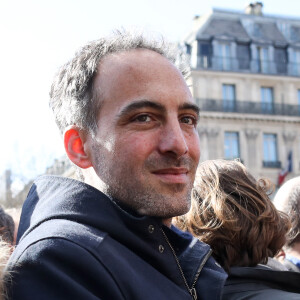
(254, 9)
(196, 22)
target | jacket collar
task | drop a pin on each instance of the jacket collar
(53, 197)
(284, 280)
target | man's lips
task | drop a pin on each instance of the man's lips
(172, 175)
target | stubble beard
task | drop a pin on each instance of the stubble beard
(145, 199)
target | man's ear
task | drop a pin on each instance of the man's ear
(74, 146)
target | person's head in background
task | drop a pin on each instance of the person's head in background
(7, 227)
(5, 252)
(287, 199)
(232, 212)
(7, 241)
(15, 213)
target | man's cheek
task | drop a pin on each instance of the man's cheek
(194, 147)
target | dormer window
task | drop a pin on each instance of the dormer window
(243, 56)
(284, 29)
(204, 54)
(257, 31)
(224, 58)
(296, 62)
(263, 59)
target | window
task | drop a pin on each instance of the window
(228, 91)
(231, 145)
(267, 102)
(204, 54)
(280, 60)
(270, 151)
(263, 59)
(257, 30)
(188, 49)
(298, 102)
(224, 56)
(243, 56)
(285, 29)
(294, 34)
(296, 62)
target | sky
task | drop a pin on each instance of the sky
(39, 36)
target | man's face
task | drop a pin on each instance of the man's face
(146, 149)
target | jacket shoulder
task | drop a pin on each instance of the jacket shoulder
(55, 229)
(51, 263)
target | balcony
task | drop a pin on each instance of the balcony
(237, 64)
(272, 164)
(248, 107)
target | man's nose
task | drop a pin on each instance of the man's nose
(173, 140)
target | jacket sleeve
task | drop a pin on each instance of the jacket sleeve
(59, 269)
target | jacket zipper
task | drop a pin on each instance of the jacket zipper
(192, 290)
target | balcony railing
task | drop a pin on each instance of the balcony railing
(272, 164)
(236, 64)
(248, 107)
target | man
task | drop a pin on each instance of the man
(129, 125)
(287, 199)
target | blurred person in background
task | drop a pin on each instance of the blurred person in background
(287, 199)
(7, 227)
(5, 252)
(15, 213)
(7, 241)
(232, 212)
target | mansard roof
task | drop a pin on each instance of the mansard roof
(221, 27)
(241, 27)
(267, 32)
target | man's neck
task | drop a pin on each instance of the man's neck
(90, 175)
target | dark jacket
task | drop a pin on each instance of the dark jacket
(75, 243)
(262, 283)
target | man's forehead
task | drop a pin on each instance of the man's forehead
(138, 73)
(133, 59)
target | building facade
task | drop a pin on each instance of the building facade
(5, 188)
(246, 79)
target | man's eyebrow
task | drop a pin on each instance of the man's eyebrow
(141, 104)
(191, 106)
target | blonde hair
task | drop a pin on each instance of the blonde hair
(232, 212)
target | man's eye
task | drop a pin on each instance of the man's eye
(142, 118)
(188, 120)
